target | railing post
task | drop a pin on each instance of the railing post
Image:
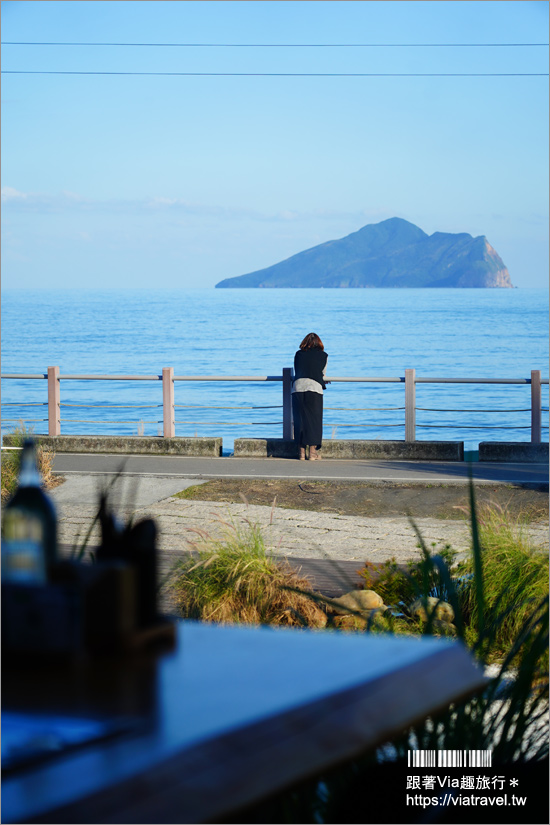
(168, 412)
(288, 424)
(54, 413)
(410, 405)
(535, 407)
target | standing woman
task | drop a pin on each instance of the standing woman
(307, 396)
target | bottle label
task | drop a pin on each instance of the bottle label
(23, 562)
(23, 557)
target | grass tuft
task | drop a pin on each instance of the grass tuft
(236, 579)
(515, 581)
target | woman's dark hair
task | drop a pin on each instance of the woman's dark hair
(312, 341)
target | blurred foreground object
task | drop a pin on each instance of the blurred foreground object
(68, 609)
(236, 713)
(29, 526)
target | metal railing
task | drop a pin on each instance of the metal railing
(410, 381)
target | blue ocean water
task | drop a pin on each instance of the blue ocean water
(443, 333)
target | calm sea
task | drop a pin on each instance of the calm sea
(441, 333)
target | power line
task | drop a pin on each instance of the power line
(283, 45)
(289, 74)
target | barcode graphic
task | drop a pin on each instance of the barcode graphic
(449, 759)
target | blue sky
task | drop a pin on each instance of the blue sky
(181, 181)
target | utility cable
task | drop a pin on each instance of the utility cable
(283, 45)
(285, 74)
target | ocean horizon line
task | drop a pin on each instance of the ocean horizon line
(267, 289)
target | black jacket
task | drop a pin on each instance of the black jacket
(309, 363)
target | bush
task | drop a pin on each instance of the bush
(236, 579)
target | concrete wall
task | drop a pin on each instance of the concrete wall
(341, 448)
(278, 448)
(522, 451)
(143, 445)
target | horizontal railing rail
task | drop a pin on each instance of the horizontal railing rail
(167, 378)
(330, 379)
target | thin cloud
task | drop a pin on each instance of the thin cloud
(11, 194)
(17, 201)
(14, 200)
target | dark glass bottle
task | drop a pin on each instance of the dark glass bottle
(29, 526)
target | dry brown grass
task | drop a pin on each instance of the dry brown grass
(45, 458)
(236, 579)
(10, 466)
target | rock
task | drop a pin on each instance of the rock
(314, 618)
(357, 600)
(443, 610)
(367, 619)
(444, 628)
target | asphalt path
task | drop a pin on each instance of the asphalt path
(432, 472)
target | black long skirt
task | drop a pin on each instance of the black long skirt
(307, 409)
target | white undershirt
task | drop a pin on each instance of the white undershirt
(308, 384)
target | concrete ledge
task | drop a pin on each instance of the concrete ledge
(340, 448)
(522, 451)
(141, 445)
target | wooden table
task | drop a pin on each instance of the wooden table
(232, 715)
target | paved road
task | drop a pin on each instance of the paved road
(350, 470)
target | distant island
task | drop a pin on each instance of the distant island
(393, 253)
